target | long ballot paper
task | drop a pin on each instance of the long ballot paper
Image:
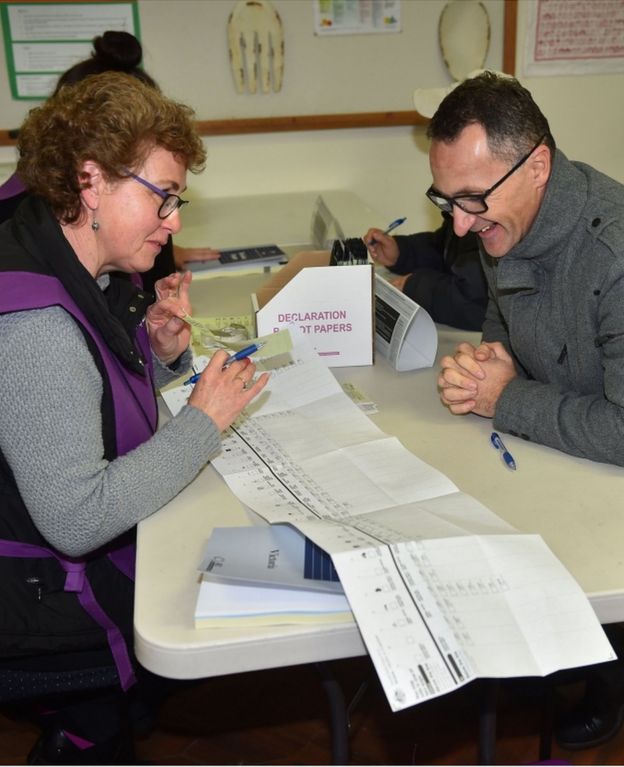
(442, 589)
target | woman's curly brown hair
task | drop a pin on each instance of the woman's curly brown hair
(112, 119)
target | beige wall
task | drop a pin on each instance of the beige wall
(185, 50)
(387, 167)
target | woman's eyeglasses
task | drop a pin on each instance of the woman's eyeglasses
(170, 201)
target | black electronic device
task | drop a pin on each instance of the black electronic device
(260, 255)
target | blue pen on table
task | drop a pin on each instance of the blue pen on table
(240, 355)
(505, 454)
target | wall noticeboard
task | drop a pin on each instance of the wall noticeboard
(42, 40)
(574, 37)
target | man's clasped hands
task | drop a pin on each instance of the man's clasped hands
(473, 378)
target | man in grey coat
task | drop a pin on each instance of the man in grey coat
(550, 365)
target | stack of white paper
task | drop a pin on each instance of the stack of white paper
(256, 575)
(222, 604)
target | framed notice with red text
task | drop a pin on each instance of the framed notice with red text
(574, 37)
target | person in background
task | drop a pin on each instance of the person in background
(550, 365)
(83, 350)
(439, 271)
(12, 192)
(114, 51)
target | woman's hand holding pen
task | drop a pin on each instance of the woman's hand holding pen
(473, 379)
(222, 392)
(382, 247)
(169, 334)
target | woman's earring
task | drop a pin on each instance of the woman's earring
(95, 226)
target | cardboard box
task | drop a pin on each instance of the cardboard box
(332, 305)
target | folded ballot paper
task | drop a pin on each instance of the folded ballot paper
(442, 589)
(267, 575)
(274, 353)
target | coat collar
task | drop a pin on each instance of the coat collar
(561, 208)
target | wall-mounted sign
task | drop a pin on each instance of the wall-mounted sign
(574, 37)
(356, 17)
(42, 40)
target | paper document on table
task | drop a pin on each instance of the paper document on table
(318, 456)
(463, 608)
(268, 555)
(360, 399)
(443, 590)
(220, 605)
(275, 352)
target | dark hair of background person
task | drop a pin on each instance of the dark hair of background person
(512, 120)
(112, 52)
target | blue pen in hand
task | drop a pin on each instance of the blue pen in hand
(390, 228)
(505, 454)
(394, 224)
(240, 355)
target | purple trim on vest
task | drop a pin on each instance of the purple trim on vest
(115, 639)
(136, 280)
(136, 412)
(124, 560)
(79, 742)
(12, 187)
(76, 581)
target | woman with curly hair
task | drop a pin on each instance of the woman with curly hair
(83, 349)
(113, 51)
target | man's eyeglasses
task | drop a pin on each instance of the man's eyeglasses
(474, 203)
(170, 202)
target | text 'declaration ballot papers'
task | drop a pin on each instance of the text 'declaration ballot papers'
(442, 589)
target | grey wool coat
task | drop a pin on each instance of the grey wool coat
(557, 303)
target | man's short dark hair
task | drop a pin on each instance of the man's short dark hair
(512, 120)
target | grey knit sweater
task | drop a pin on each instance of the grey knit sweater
(557, 303)
(51, 435)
